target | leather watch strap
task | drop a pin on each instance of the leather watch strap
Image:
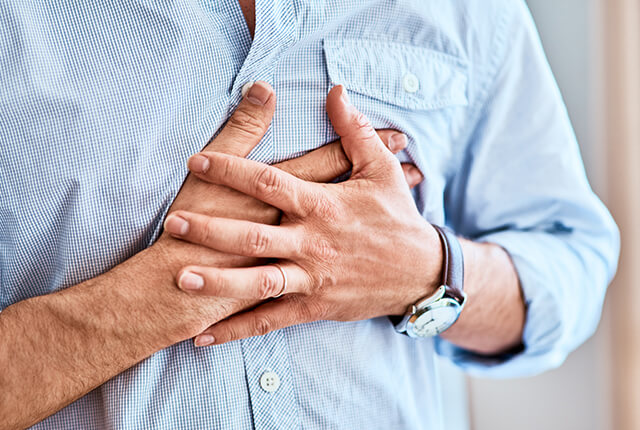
(453, 264)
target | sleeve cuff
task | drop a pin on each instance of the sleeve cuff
(546, 337)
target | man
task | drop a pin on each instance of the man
(103, 103)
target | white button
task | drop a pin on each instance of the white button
(410, 83)
(270, 381)
(245, 88)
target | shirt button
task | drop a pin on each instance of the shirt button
(270, 381)
(410, 83)
(245, 88)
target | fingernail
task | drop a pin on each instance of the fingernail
(190, 281)
(259, 93)
(416, 176)
(198, 163)
(344, 95)
(246, 87)
(204, 340)
(397, 141)
(176, 225)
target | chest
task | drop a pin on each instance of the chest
(108, 102)
(249, 11)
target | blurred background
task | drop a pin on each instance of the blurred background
(594, 50)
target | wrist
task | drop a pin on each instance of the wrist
(158, 311)
(191, 314)
(438, 311)
(427, 276)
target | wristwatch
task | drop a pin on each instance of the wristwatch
(434, 314)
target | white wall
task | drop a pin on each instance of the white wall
(577, 395)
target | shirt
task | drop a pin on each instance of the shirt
(101, 104)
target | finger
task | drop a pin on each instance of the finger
(395, 141)
(252, 283)
(261, 181)
(264, 319)
(329, 162)
(248, 124)
(359, 139)
(233, 236)
(322, 165)
(412, 174)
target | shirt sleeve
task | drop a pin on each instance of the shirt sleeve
(522, 186)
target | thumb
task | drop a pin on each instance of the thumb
(360, 141)
(248, 124)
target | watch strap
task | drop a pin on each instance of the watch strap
(453, 264)
(452, 275)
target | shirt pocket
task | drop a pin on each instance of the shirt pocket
(407, 76)
(412, 89)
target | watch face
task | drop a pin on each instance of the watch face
(434, 319)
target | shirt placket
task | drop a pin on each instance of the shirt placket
(266, 358)
(270, 382)
(275, 31)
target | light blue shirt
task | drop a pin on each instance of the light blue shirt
(102, 102)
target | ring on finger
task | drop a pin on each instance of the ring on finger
(284, 284)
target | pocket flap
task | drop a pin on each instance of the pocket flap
(403, 75)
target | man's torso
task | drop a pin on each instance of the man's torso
(106, 101)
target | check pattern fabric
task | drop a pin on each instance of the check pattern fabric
(101, 104)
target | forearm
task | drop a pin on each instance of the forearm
(56, 348)
(494, 316)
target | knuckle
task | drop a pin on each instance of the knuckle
(325, 209)
(321, 250)
(225, 167)
(230, 332)
(362, 126)
(215, 281)
(262, 326)
(256, 241)
(312, 310)
(320, 282)
(327, 280)
(267, 182)
(298, 248)
(208, 232)
(267, 284)
(248, 121)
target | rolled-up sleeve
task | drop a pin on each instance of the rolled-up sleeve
(522, 186)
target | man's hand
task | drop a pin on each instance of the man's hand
(57, 347)
(243, 131)
(337, 243)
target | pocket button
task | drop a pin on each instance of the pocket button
(410, 83)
